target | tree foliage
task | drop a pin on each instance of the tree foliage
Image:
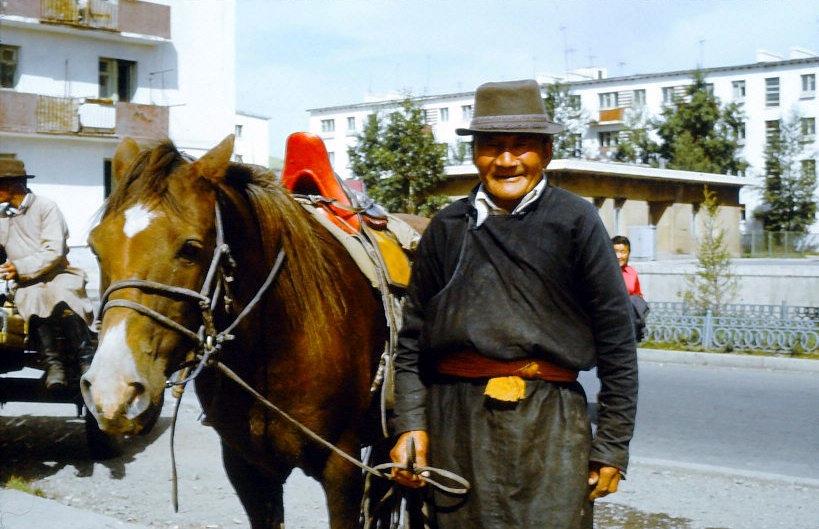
(713, 284)
(567, 111)
(399, 161)
(788, 203)
(636, 144)
(700, 134)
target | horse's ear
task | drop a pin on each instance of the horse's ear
(213, 165)
(126, 152)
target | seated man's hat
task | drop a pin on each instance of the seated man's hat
(510, 106)
(11, 169)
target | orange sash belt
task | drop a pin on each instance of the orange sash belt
(469, 364)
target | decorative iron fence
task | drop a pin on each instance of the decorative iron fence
(772, 328)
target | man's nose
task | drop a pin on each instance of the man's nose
(505, 159)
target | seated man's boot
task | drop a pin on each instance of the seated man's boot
(56, 379)
(79, 340)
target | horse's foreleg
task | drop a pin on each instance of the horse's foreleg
(261, 494)
(343, 486)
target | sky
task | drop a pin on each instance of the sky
(296, 55)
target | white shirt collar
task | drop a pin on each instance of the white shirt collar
(485, 206)
(7, 210)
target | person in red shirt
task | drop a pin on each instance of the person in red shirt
(622, 248)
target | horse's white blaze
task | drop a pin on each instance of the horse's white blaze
(112, 374)
(137, 218)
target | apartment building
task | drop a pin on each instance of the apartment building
(76, 76)
(252, 138)
(769, 90)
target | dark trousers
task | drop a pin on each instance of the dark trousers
(527, 461)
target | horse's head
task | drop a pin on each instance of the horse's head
(157, 226)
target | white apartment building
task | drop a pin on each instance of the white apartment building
(252, 143)
(769, 90)
(76, 76)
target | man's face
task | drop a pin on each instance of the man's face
(622, 252)
(510, 165)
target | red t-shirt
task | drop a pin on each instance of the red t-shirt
(632, 282)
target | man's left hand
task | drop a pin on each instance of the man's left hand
(603, 480)
(8, 271)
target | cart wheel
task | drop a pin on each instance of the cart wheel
(101, 445)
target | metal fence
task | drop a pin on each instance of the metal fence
(772, 328)
(779, 244)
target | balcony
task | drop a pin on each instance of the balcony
(611, 115)
(32, 114)
(131, 19)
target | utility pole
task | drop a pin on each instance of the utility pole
(702, 52)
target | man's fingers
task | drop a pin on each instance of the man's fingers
(605, 482)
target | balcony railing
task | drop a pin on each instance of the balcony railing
(611, 115)
(37, 114)
(99, 14)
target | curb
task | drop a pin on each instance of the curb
(727, 360)
(725, 471)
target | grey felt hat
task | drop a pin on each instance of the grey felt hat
(11, 169)
(510, 106)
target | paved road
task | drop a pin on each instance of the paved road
(749, 419)
(700, 421)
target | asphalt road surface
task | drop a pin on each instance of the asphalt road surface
(719, 448)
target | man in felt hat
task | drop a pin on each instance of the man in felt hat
(515, 289)
(48, 292)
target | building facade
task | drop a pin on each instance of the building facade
(252, 143)
(76, 76)
(768, 91)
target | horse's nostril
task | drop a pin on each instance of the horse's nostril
(138, 387)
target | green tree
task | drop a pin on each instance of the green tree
(400, 162)
(636, 145)
(713, 284)
(788, 203)
(700, 134)
(564, 108)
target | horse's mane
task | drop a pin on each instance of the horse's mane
(306, 282)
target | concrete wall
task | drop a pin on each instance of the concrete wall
(761, 281)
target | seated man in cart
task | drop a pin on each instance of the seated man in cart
(48, 292)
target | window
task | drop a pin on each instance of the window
(808, 128)
(328, 125)
(8, 65)
(772, 92)
(709, 88)
(574, 101)
(608, 100)
(808, 85)
(238, 158)
(351, 123)
(639, 98)
(739, 131)
(738, 90)
(106, 177)
(466, 112)
(444, 114)
(608, 138)
(808, 168)
(238, 131)
(771, 130)
(332, 156)
(668, 95)
(116, 79)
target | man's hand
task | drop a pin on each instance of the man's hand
(400, 454)
(603, 480)
(8, 270)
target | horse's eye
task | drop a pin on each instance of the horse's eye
(191, 250)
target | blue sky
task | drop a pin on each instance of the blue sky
(295, 55)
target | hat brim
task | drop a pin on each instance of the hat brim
(546, 131)
(15, 176)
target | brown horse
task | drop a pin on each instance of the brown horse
(311, 345)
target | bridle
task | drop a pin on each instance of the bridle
(207, 340)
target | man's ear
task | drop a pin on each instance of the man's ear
(213, 165)
(126, 153)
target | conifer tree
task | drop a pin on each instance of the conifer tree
(400, 162)
(713, 284)
(564, 108)
(700, 134)
(636, 145)
(788, 197)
